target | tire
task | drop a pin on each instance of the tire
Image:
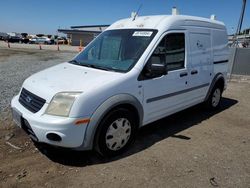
(116, 132)
(214, 99)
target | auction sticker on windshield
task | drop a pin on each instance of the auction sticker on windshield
(142, 33)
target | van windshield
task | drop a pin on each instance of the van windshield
(115, 50)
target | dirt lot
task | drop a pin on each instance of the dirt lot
(193, 148)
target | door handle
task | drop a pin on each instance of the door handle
(183, 74)
(194, 72)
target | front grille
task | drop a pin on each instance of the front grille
(31, 101)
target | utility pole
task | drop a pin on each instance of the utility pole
(235, 42)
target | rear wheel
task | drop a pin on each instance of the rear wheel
(214, 99)
(117, 131)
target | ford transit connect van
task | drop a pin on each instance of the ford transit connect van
(137, 71)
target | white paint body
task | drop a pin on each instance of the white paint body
(205, 43)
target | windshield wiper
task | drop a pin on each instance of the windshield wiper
(91, 65)
(97, 67)
(74, 62)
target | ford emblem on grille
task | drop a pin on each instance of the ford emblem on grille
(31, 101)
(28, 99)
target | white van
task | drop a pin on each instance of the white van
(136, 72)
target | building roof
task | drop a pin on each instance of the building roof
(84, 29)
(87, 26)
(75, 31)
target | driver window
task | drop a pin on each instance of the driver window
(170, 51)
(175, 51)
(158, 56)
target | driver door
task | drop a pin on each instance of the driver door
(163, 94)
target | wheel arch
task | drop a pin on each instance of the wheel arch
(117, 101)
(218, 79)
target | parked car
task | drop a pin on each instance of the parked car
(41, 40)
(61, 40)
(137, 71)
(3, 36)
(25, 38)
(14, 39)
(32, 40)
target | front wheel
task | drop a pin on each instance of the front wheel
(117, 131)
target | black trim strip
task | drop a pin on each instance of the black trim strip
(176, 93)
(223, 61)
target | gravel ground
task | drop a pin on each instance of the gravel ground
(192, 148)
(16, 65)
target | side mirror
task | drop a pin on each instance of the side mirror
(158, 69)
(155, 67)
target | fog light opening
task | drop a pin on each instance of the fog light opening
(54, 137)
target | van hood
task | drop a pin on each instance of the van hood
(67, 77)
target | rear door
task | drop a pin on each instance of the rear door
(200, 65)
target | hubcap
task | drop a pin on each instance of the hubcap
(118, 134)
(216, 97)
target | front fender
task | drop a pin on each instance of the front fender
(102, 110)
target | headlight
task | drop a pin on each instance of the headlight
(61, 104)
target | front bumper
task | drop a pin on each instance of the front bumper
(72, 136)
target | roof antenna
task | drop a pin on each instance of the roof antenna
(135, 14)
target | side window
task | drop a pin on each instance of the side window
(175, 51)
(170, 51)
(158, 56)
(168, 55)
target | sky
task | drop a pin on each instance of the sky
(46, 16)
